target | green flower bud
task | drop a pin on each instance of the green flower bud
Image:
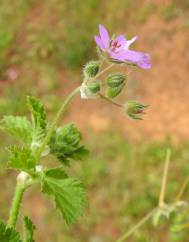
(134, 109)
(91, 69)
(90, 89)
(93, 86)
(115, 84)
(116, 80)
(112, 92)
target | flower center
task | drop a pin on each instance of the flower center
(115, 45)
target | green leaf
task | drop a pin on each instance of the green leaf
(38, 112)
(8, 234)
(65, 144)
(21, 158)
(29, 228)
(69, 196)
(57, 173)
(17, 126)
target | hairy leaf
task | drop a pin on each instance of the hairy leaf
(57, 173)
(69, 195)
(65, 144)
(17, 126)
(29, 228)
(38, 112)
(21, 158)
(8, 234)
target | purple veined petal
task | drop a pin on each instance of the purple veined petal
(99, 42)
(129, 42)
(117, 56)
(121, 39)
(139, 58)
(104, 36)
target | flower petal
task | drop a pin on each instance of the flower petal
(99, 42)
(139, 58)
(104, 36)
(129, 42)
(121, 39)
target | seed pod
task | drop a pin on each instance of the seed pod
(91, 69)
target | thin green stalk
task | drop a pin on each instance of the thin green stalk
(182, 189)
(61, 111)
(110, 101)
(137, 226)
(104, 70)
(164, 179)
(16, 203)
(54, 122)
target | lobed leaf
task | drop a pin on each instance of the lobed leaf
(29, 228)
(8, 234)
(18, 127)
(37, 111)
(21, 158)
(69, 196)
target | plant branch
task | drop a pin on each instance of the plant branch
(104, 70)
(164, 179)
(110, 101)
(137, 226)
(54, 122)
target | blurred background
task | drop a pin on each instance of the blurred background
(43, 47)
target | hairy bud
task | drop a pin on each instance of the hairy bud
(90, 89)
(115, 84)
(91, 69)
(134, 109)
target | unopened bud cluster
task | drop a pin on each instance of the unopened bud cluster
(110, 87)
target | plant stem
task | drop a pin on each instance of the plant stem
(110, 101)
(164, 179)
(54, 122)
(138, 225)
(105, 70)
(14, 211)
(61, 111)
(183, 188)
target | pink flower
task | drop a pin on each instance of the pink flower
(118, 49)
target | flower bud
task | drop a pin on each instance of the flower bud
(115, 84)
(93, 86)
(134, 109)
(116, 80)
(90, 89)
(91, 69)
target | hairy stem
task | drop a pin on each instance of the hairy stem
(16, 203)
(137, 226)
(61, 111)
(20, 187)
(54, 122)
(110, 101)
(104, 70)
(164, 179)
